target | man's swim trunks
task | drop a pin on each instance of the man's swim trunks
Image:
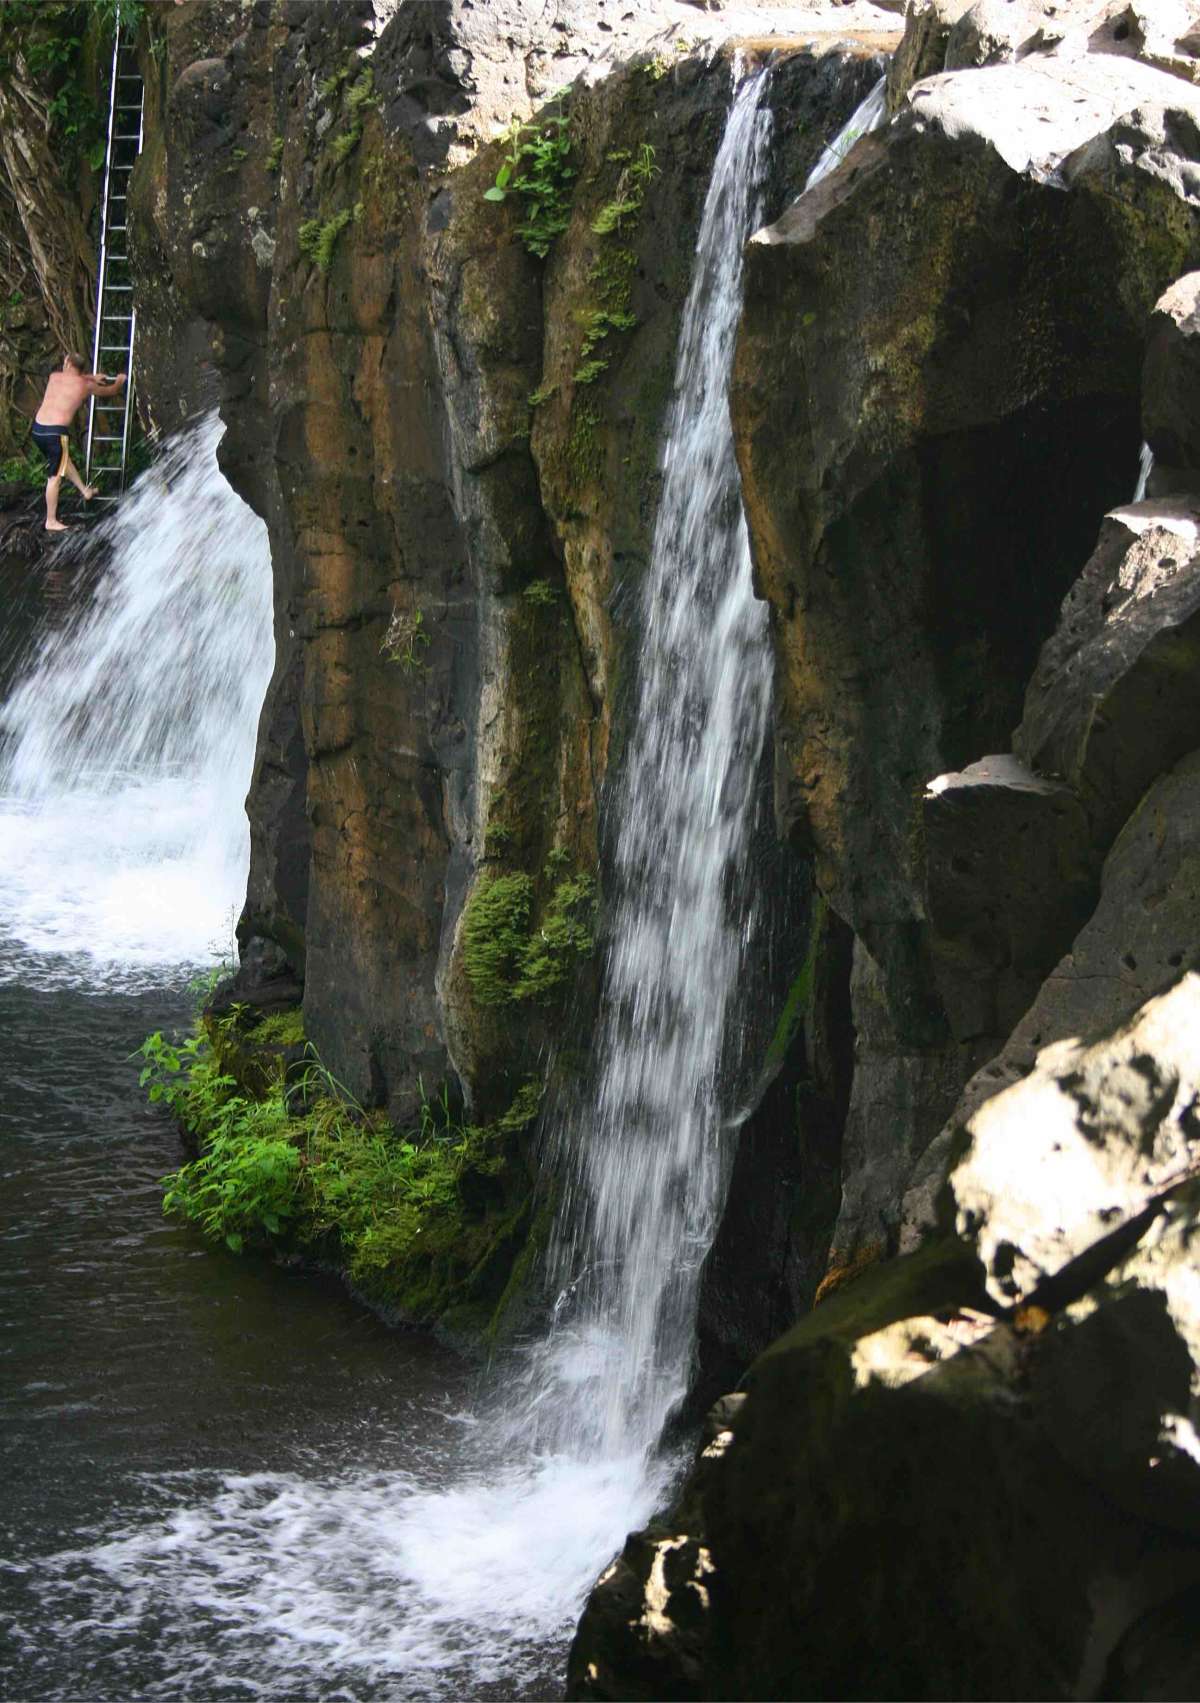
(53, 441)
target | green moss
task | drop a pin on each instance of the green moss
(275, 154)
(563, 937)
(495, 934)
(318, 241)
(799, 1000)
(282, 1029)
(590, 371)
(540, 593)
(510, 958)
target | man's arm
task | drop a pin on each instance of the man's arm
(99, 385)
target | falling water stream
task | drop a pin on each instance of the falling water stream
(306, 1506)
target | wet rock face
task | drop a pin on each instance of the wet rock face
(1024, 1398)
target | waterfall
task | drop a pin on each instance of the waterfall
(870, 114)
(644, 1153)
(126, 751)
(1145, 468)
(468, 1580)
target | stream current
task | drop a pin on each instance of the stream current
(222, 1479)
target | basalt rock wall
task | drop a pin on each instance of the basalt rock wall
(454, 442)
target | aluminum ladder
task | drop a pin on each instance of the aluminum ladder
(109, 418)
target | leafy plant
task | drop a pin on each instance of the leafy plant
(275, 154)
(590, 371)
(318, 241)
(28, 468)
(538, 169)
(540, 593)
(405, 639)
(305, 1163)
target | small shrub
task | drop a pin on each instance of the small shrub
(405, 639)
(275, 154)
(538, 169)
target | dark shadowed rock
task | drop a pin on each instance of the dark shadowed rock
(1140, 939)
(1171, 386)
(926, 437)
(1037, 1472)
(1116, 696)
(1009, 879)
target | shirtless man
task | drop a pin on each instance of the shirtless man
(65, 391)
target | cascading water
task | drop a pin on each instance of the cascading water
(645, 1156)
(869, 115)
(1145, 468)
(127, 749)
(458, 1569)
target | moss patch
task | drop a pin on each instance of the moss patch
(424, 1222)
(508, 956)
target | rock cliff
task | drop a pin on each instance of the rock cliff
(951, 352)
(450, 414)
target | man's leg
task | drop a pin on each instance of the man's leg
(87, 492)
(53, 524)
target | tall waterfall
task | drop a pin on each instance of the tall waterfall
(1145, 468)
(126, 751)
(647, 1166)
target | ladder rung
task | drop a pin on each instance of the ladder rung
(96, 438)
(124, 288)
(136, 137)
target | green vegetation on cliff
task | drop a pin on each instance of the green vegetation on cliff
(424, 1221)
(508, 956)
(539, 170)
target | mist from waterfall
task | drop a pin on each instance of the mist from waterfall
(126, 749)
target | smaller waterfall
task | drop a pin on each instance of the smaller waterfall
(1145, 468)
(645, 1150)
(870, 114)
(126, 751)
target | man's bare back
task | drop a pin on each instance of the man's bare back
(65, 390)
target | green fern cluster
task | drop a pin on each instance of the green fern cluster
(306, 1164)
(319, 240)
(538, 169)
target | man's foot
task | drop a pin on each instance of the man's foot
(57, 526)
(88, 492)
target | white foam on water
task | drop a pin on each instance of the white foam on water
(126, 750)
